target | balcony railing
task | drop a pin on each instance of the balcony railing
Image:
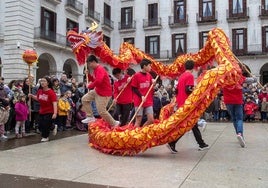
(174, 22)
(56, 2)
(237, 16)
(263, 12)
(50, 36)
(206, 19)
(127, 26)
(107, 23)
(74, 6)
(93, 15)
(152, 22)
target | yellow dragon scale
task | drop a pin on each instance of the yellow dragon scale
(129, 140)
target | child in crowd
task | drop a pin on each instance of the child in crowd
(80, 115)
(223, 110)
(4, 114)
(250, 107)
(264, 109)
(22, 112)
(63, 110)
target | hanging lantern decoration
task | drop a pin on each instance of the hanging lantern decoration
(29, 56)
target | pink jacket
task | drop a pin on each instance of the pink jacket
(22, 111)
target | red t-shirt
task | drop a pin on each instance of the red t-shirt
(101, 82)
(186, 79)
(126, 95)
(46, 99)
(142, 81)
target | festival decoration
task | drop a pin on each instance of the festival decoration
(29, 56)
(130, 140)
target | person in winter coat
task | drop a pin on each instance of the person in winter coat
(22, 112)
(63, 109)
(250, 107)
(80, 115)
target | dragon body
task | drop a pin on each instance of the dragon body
(130, 140)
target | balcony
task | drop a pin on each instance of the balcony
(55, 2)
(107, 24)
(92, 15)
(205, 20)
(74, 7)
(49, 38)
(263, 12)
(174, 22)
(237, 17)
(149, 24)
(127, 27)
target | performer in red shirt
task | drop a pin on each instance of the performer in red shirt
(141, 83)
(48, 108)
(185, 87)
(101, 92)
(123, 101)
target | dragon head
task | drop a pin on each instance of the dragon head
(85, 42)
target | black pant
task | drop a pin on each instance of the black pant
(123, 110)
(45, 124)
(61, 120)
(197, 135)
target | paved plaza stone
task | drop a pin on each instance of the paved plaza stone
(69, 162)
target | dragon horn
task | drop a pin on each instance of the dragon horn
(94, 26)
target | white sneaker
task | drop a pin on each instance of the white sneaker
(54, 132)
(3, 137)
(241, 140)
(117, 123)
(88, 120)
(44, 139)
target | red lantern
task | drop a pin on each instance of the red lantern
(29, 56)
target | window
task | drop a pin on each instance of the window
(265, 39)
(152, 46)
(153, 14)
(206, 10)
(130, 40)
(178, 44)
(238, 8)
(107, 14)
(265, 4)
(107, 40)
(203, 36)
(126, 17)
(72, 25)
(179, 11)
(264, 7)
(239, 42)
(91, 5)
(48, 24)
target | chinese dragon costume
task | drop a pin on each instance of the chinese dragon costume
(130, 140)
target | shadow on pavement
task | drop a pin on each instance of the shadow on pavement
(34, 138)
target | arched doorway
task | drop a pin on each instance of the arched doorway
(70, 68)
(264, 74)
(46, 63)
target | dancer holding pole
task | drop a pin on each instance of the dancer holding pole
(123, 95)
(142, 84)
